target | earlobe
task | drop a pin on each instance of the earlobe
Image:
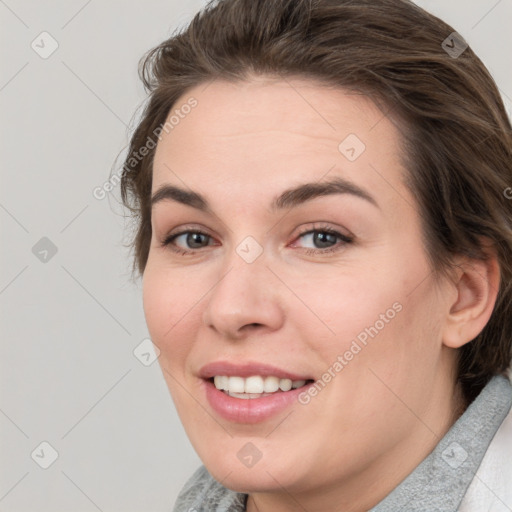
(477, 285)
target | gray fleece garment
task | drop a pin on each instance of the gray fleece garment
(438, 484)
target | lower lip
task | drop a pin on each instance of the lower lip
(251, 410)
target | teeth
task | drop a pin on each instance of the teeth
(285, 384)
(271, 384)
(236, 385)
(221, 382)
(254, 386)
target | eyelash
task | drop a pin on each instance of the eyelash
(344, 240)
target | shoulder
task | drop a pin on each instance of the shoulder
(490, 489)
(202, 493)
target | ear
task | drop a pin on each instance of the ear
(477, 284)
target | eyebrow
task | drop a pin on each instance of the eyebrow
(288, 199)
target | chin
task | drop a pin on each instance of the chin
(250, 480)
(262, 476)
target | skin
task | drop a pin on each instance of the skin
(241, 147)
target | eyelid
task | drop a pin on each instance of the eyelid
(325, 227)
(185, 228)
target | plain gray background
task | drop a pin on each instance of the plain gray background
(72, 318)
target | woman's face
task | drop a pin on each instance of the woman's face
(295, 254)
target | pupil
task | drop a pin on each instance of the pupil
(323, 239)
(195, 240)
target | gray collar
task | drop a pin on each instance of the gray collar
(440, 481)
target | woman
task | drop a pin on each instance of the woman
(325, 241)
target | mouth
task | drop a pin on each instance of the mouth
(251, 392)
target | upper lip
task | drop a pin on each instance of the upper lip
(247, 369)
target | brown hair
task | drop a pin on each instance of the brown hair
(456, 133)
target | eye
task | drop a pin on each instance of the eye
(322, 240)
(187, 241)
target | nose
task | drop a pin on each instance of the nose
(244, 300)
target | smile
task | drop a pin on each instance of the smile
(255, 386)
(252, 392)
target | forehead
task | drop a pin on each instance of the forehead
(270, 133)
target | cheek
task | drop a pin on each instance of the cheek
(171, 308)
(158, 304)
(170, 301)
(385, 315)
(393, 351)
(344, 304)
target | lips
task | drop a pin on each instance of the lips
(250, 407)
